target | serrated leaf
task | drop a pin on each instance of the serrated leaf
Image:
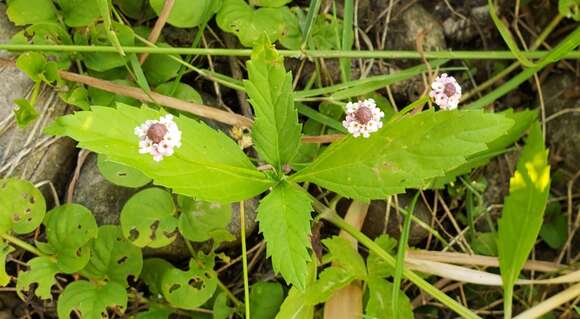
(188, 13)
(42, 271)
(522, 121)
(379, 305)
(207, 162)
(113, 258)
(91, 300)
(148, 218)
(120, 174)
(276, 132)
(284, 219)
(23, 12)
(79, 13)
(5, 250)
(249, 24)
(25, 112)
(22, 206)
(192, 288)
(404, 154)
(523, 210)
(200, 221)
(330, 280)
(376, 265)
(345, 256)
(69, 228)
(265, 299)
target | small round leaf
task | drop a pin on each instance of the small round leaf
(22, 206)
(189, 289)
(147, 219)
(120, 174)
(188, 13)
(200, 221)
(160, 68)
(91, 300)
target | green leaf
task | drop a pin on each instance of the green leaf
(161, 68)
(570, 9)
(99, 36)
(404, 154)
(522, 121)
(376, 265)
(69, 228)
(523, 211)
(79, 13)
(155, 312)
(22, 206)
(221, 310)
(294, 306)
(485, 244)
(555, 228)
(265, 299)
(200, 221)
(379, 305)
(276, 131)
(331, 279)
(153, 271)
(33, 64)
(148, 218)
(345, 256)
(249, 24)
(113, 258)
(284, 217)
(25, 112)
(207, 162)
(192, 288)
(136, 9)
(23, 12)
(91, 300)
(120, 174)
(77, 96)
(181, 91)
(5, 250)
(188, 13)
(270, 3)
(42, 271)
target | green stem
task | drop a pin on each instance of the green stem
(463, 55)
(245, 259)
(332, 217)
(22, 244)
(400, 264)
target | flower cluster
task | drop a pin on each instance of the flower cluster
(446, 92)
(158, 137)
(363, 118)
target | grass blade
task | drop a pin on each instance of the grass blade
(347, 39)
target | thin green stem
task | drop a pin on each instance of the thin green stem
(464, 55)
(22, 244)
(400, 264)
(332, 217)
(245, 259)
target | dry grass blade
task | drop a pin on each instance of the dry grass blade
(551, 303)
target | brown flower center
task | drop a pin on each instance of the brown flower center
(156, 132)
(363, 115)
(449, 89)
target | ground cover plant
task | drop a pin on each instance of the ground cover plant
(365, 157)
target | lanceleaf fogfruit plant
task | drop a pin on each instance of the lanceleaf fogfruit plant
(409, 151)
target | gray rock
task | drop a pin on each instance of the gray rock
(409, 24)
(376, 222)
(7, 29)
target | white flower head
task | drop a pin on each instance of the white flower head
(363, 118)
(446, 92)
(158, 138)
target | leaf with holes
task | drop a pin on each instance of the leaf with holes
(284, 217)
(207, 162)
(148, 218)
(276, 131)
(192, 288)
(153, 271)
(91, 300)
(113, 257)
(22, 206)
(200, 221)
(408, 153)
(41, 273)
(249, 24)
(155, 312)
(523, 211)
(120, 174)
(69, 228)
(23, 12)
(5, 250)
(188, 13)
